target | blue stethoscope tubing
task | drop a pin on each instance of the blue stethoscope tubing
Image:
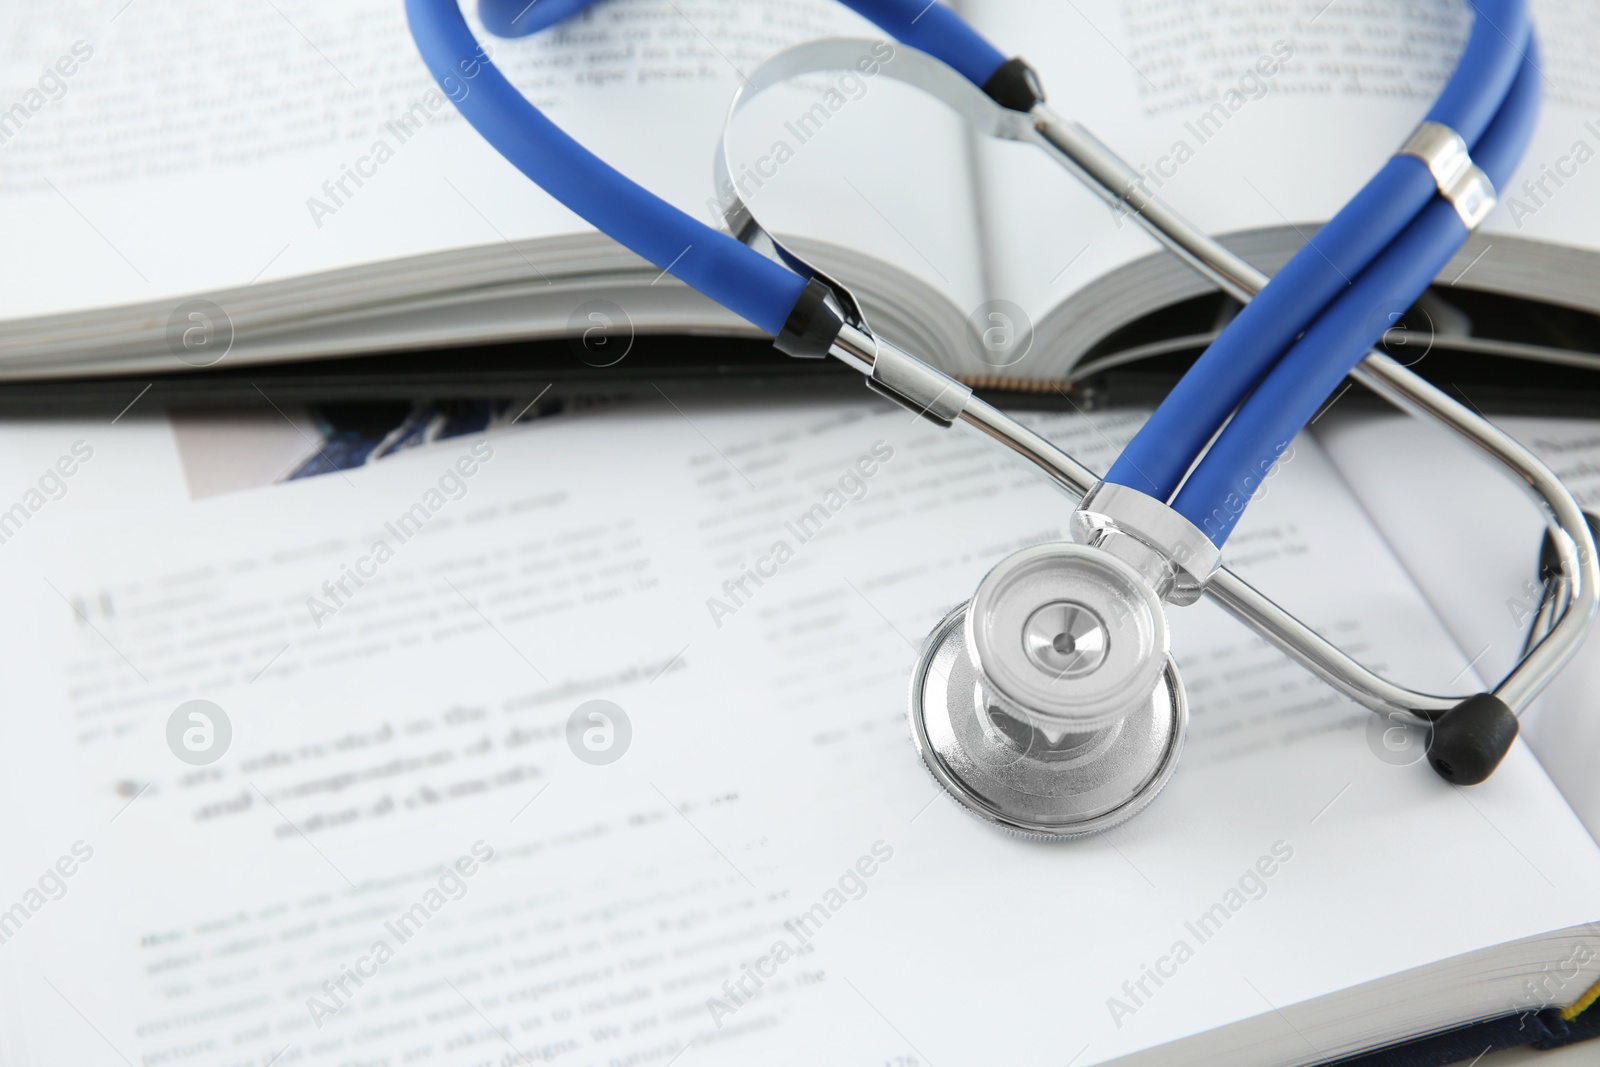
(1299, 382)
(1159, 457)
(1256, 386)
(755, 288)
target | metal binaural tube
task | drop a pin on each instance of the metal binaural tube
(1109, 175)
(1091, 161)
(1570, 534)
(1104, 172)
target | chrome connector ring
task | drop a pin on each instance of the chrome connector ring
(1459, 179)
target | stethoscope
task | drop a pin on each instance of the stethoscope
(1049, 704)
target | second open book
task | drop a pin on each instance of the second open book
(304, 190)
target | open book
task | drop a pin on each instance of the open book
(397, 834)
(302, 189)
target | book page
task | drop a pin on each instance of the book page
(1248, 119)
(1471, 538)
(59, 473)
(157, 150)
(396, 832)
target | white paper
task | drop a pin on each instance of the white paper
(200, 146)
(59, 473)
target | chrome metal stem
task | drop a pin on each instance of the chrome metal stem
(855, 348)
(1322, 657)
(1001, 428)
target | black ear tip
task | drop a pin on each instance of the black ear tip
(1470, 740)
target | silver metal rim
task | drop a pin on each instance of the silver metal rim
(979, 806)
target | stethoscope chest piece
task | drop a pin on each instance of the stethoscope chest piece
(1048, 704)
